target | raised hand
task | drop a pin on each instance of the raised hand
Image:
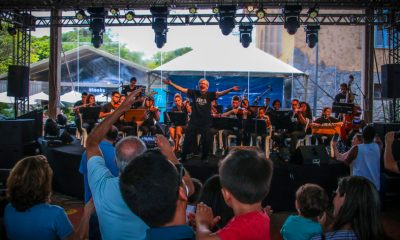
(235, 88)
(205, 217)
(167, 81)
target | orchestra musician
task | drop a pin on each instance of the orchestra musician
(342, 95)
(299, 123)
(306, 109)
(176, 132)
(77, 105)
(235, 111)
(267, 106)
(200, 120)
(262, 115)
(150, 124)
(325, 119)
(89, 124)
(276, 105)
(132, 87)
(250, 114)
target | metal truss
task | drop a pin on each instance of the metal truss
(22, 57)
(212, 19)
(394, 45)
(145, 4)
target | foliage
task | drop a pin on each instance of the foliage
(40, 48)
(6, 110)
(166, 56)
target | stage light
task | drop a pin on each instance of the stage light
(193, 10)
(80, 15)
(114, 11)
(250, 8)
(12, 30)
(312, 35)
(227, 18)
(215, 10)
(159, 24)
(261, 13)
(313, 12)
(245, 35)
(129, 16)
(97, 25)
(291, 14)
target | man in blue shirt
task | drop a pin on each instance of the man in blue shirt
(116, 220)
(108, 150)
(151, 178)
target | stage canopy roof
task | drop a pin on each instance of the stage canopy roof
(228, 59)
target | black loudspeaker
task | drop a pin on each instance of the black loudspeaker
(315, 155)
(18, 132)
(18, 81)
(390, 80)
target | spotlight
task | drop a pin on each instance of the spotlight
(227, 18)
(215, 10)
(129, 16)
(159, 24)
(312, 35)
(80, 15)
(313, 12)
(12, 30)
(260, 13)
(97, 25)
(193, 10)
(245, 35)
(291, 14)
(250, 8)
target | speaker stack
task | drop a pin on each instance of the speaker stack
(18, 81)
(390, 80)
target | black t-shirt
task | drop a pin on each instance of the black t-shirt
(340, 97)
(201, 109)
(127, 90)
(323, 120)
(108, 107)
(296, 124)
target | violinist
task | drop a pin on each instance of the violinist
(152, 116)
(77, 105)
(299, 123)
(235, 111)
(109, 108)
(245, 106)
(176, 132)
(262, 115)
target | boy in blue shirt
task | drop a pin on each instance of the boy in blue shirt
(311, 202)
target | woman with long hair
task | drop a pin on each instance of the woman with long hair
(356, 211)
(29, 214)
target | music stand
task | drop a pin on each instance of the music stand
(346, 108)
(281, 119)
(226, 123)
(177, 118)
(135, 115)
(256, 126)
(90, 113)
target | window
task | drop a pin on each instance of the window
(381, 37)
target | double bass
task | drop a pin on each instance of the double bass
(349, 118)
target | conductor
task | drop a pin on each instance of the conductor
(200, 119)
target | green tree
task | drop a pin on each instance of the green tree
(166, 57)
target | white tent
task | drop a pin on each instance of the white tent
(6, 99)
(71, 97)
(230, 57)
(38, 97)
(101, 98)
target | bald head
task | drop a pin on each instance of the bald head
(128, 149)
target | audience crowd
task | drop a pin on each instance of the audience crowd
(132, 192)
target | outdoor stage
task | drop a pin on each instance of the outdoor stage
(287, 177)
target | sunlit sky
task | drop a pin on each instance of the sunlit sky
(142, 38)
